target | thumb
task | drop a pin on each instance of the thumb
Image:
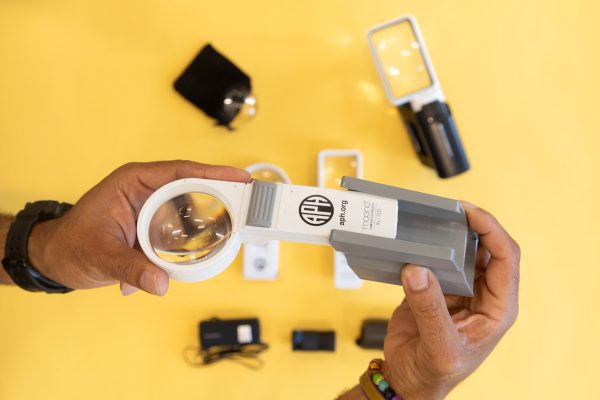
(132, 268)
(428, 306)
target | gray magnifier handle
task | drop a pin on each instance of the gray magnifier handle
(435, 138)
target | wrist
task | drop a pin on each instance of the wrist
(5, 222)
(355, 393)
(411, 389)
(38, 249)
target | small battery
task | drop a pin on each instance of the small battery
(313, 340)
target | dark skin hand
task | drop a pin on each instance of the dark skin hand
(94, 244)
(435, 341)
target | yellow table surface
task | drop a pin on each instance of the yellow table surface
(87, 85)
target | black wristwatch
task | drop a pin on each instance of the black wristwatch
(16, 262)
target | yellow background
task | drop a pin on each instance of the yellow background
(86, 86)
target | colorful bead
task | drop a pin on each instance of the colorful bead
(377, 377)
(383, 385)
(389, 394)
(375, 365)
(396, 397)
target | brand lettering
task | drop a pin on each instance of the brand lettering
(343, 212)
(316, 210)
(366, 219)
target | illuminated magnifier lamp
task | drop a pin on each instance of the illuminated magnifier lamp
(261, 261)
(193, 228)
(411, 84)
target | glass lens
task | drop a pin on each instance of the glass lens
(189, 228)
(400, 55)
(267, 175)
(338, 166)
(239, 106)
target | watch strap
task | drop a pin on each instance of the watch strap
(16, 262)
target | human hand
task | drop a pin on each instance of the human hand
(94, 243)
(436, 341)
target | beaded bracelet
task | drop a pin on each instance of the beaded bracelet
(374, 385)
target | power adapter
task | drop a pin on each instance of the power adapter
(237, 339)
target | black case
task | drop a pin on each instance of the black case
(435, 138)
(313, 340)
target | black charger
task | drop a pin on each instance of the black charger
(229, 338)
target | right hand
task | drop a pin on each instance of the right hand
(436, 341)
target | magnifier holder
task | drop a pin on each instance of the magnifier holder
(432, 232)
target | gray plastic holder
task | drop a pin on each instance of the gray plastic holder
(432, 232)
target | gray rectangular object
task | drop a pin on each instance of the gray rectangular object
(432, 231)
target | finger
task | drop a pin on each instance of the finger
(502, 272)
(139, 180)
(483, 257)
(491, 234)
(132, 268)
(127, 289)
(428, 306)
(157, 174)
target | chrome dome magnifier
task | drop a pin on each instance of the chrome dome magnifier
(411, 84)
(193, 228)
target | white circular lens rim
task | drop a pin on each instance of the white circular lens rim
(270, 167)
(203, 269)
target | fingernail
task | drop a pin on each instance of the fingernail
(468, 204)
(148, 282)
(416, 278)
(162, 284)
(127, 289)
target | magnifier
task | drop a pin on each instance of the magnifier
(193, 228)
(411, 84)
(261, 262)
(332, 166)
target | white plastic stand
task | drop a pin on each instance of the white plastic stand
(343, 276)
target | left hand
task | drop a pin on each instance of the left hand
(94, 243)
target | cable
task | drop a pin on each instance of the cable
(246, 355)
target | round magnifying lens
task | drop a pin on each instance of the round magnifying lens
(189, 228)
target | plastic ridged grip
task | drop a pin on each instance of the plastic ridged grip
(262, 202)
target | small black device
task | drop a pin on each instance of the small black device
(372, 333)
(229, 338)
(303, 340)
(228, 332)
(16, 260)
(217, 86)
